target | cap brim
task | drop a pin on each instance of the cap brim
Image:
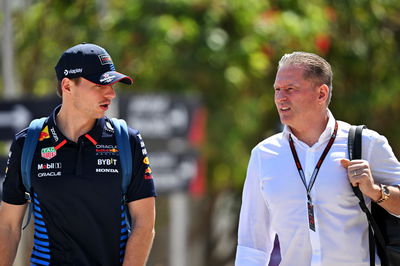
(109, 78)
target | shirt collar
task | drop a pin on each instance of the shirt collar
(326, 134)
(57, 136)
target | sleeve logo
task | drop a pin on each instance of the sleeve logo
(148, 173)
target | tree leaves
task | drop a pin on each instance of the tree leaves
(226, 51)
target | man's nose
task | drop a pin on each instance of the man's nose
(110, 92)
(280, 96)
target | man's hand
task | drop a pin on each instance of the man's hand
(359, 174)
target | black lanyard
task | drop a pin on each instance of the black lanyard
(314, 174)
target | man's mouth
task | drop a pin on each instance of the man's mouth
(104, 106)
(283, 109)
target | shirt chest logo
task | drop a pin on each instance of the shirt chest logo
(49, 174)
(107, 150)
(48, 153)
(46, 166)
(106, 170)
(107, 162)
(110, 161)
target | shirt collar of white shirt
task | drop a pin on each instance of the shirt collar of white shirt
(325, 136)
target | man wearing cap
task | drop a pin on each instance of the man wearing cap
(76, 176)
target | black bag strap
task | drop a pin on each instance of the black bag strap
(355, 149)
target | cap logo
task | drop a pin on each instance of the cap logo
(72, 71)
(105, 59)
(107, 78)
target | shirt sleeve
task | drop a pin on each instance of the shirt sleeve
(13, 188)
(142, 184)
(255, 237)
(385, 167)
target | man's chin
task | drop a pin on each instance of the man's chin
(99, 115)
(284, 120)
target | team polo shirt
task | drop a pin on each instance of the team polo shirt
(78, 208)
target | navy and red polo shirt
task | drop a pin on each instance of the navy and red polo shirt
(78, 208)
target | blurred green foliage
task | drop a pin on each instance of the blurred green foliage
(227, 51)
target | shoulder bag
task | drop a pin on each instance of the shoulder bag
(384, 228)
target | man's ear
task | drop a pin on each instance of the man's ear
(66, 85)
(323, 93)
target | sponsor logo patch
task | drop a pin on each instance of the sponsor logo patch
(54, 134)
(106, 150)
(144, 151)
(148, 173)
(105, 59)
(146, 160)
(109, 128)
(44, 134)
(8, 162)
(107, 161)
(105, 78)
(48, 153)
(103, 170)
(72, 71)
(45, 166)
(49, 174)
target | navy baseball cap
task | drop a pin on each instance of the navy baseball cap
(91, 62)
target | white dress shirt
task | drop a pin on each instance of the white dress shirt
(275, 201)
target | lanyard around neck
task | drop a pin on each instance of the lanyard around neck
(319, 163)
